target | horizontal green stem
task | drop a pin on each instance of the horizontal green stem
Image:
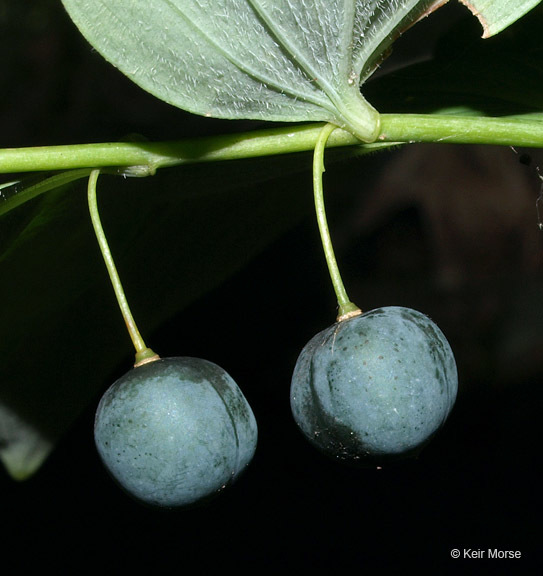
(522, 131)
(145, 157)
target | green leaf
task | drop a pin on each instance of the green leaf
(277, 60)
(497, 15)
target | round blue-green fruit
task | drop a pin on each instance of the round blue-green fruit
(376, 387)
(175, 432)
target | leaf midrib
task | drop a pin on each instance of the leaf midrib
(308, 69)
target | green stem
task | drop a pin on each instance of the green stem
(347, 308)
(144, 158)
(143, 353)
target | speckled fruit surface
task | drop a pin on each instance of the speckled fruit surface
(376, 387)
(175, 431)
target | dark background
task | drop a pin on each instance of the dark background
(449, 230)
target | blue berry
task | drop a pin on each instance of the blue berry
(175, 432)
(375, 387)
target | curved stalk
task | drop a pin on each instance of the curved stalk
(143, 353)
(346, 308)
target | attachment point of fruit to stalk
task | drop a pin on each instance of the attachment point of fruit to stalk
(350, 313)
(145, 357)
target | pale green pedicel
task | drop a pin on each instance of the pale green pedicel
(346, 307)
(143, 353)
